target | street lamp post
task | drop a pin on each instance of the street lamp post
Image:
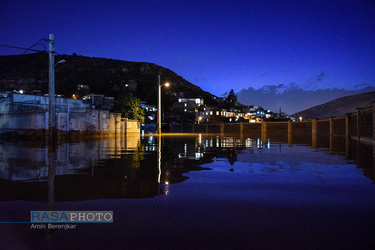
(159, 104)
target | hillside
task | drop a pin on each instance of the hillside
(338, 107)
(103, 76)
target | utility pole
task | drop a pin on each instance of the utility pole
(159, 107)
(158, 131)
(51, 94)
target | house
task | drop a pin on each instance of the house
(101, 102)
(150, 112)
(185, 109)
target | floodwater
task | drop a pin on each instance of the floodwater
(191, 192)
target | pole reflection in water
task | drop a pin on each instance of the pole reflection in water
(51, 177)
(159, 158)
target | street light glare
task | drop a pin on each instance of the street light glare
(166, 84)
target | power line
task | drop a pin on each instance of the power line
(27, 49)
(33, 46)
(14, 47)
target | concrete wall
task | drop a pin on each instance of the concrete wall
(22, 121)
(132, 126)
(93, 121)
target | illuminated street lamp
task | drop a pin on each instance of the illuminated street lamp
(199, 119)
(159, 104)
(61, 61)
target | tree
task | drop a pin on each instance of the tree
(129, 106)
(232, 97)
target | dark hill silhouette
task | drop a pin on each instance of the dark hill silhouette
(338, 107)
(103, 76)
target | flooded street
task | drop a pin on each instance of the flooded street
(191, 192)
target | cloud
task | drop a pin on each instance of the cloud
(291, 97)
(320, 77)
(363, 85)
(265, 74)
(197, 79)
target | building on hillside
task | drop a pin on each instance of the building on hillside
(150, 112)
(186, 109)
(100, 101)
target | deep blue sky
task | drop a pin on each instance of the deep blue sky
(217, 44)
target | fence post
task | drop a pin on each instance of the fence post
(331, 133)
(241, 130)
(222, 128)
(347, 134)
(264, 132)
(314, 132)
(359, 123)
(290, 132)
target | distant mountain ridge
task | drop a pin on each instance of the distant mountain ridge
(338, 107)
(291, 98)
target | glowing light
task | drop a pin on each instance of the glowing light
(166, 182)
(300, 118)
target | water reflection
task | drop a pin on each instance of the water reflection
(132, 167)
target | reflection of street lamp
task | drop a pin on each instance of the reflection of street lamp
(159, 104)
